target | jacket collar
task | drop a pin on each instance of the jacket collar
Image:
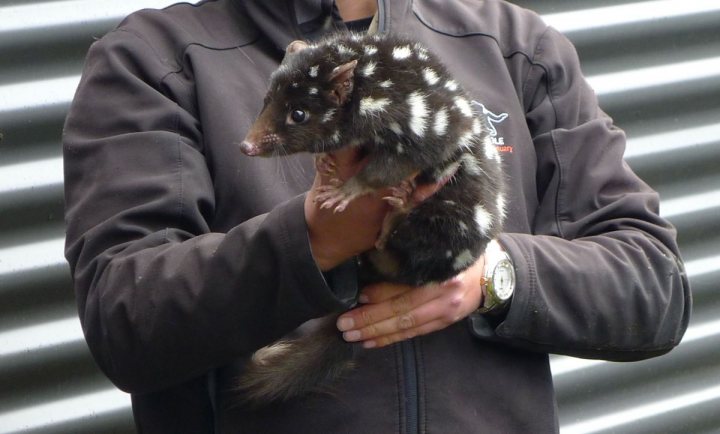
(283, 21)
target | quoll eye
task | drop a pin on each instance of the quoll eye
(298, 116)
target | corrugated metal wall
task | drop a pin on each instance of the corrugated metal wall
(656, 68)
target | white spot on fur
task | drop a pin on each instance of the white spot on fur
(295, 85)
(464, 106)
(477, 126)
(369, 69)
(370, 50)
(401, 53)
(501, 205)
(465, 141)
(483, 219)
(448, 171)
(314, 71)
(451, 85)
(449, 202)
(327, 117)
(448, 254)
(343, 49)
(265, 354)
(386, 84)
(441, 122)
(418, 113)
(464, 259)
(400, 148)
(422, 53)
(313, 91)
(395, 128)
(336, 136)
(430, 76)
(370, 105)
(463, 227)
(471, 165)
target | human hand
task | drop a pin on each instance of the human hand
(338, 236)
(391, 312)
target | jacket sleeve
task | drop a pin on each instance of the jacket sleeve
(162, 299)
(600, 276)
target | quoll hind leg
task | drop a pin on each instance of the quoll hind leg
(437, 240)
(400, 200)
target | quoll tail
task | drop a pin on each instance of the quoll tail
(293, 367)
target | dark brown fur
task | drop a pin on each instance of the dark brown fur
(395, 99)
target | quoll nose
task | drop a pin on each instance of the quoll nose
(249, 148)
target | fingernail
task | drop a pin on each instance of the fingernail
(345, 324)
(369, 344)
(362, 298)
(352, 336)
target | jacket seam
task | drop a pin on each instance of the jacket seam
(178, 65)
(422, 387)
(505, 55)
(175, 122)
(140, 37)
(400, 389)
(179, 166)
(556, 152)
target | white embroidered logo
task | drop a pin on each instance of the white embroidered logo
(492, 119)
(490, 116)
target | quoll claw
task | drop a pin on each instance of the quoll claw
(326, 166)
(395, 202)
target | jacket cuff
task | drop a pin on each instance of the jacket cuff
(334, 290)
(489, 327)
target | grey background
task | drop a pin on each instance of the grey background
(658, 75)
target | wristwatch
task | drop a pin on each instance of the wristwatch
(498, 281)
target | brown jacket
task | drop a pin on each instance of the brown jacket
(188, 256)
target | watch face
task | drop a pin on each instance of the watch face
(504, 280)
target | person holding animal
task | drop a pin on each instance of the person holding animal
(188, 256)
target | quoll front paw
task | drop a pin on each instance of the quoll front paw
(330, 196)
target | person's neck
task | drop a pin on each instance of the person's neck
(351, 10)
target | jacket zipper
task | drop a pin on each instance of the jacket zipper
(407, 347)
(411, 398)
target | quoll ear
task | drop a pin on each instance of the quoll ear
(341, 80)
(293, 48)
(296, 46)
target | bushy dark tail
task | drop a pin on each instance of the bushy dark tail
(293, 367)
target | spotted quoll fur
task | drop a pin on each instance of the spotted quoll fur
(393, 98)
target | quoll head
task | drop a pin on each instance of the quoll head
(304, 104)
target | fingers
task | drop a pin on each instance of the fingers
(434, 315)
(399, 312)
(392, 313)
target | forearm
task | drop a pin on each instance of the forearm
(170, 306)
(619, 296)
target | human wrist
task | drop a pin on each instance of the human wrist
(497, 283)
